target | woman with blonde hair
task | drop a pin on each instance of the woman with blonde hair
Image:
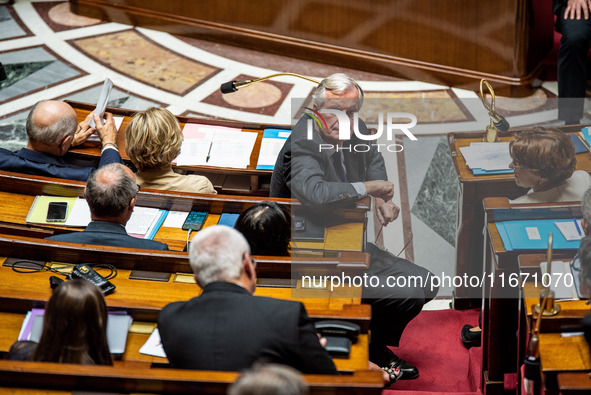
(153, 140)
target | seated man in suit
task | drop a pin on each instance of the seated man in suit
(110, 193)
(52, 128)
(226, 327)
(324, 178)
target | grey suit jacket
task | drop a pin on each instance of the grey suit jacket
(108, 234)
(307, 174)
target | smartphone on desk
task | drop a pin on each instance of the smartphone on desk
(195, 220)
(57, 211)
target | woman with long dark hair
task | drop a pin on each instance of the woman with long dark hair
(74, 328)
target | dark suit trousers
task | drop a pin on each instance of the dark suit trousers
(572, 66)
(393, 307)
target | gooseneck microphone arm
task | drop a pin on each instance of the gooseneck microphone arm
(233, 86)
(498, 120)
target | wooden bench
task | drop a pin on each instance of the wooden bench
(125, 378)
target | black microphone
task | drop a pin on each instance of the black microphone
(233, 86)
(228, 87)
(500, 122)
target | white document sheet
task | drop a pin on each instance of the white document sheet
(487, 156)
(153, 345)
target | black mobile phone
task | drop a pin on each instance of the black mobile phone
(195, 220)
(56, 211)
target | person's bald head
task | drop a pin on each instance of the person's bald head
(50, 122)
(110, 190)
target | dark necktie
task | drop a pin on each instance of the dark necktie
(338, 165)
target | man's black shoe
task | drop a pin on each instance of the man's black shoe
(409, 371)
(470, 338)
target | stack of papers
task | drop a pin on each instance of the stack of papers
(118, 323)
(143, 224)
(559, 279)
(217, 146)
(571, 230)
(488, 158)
(273, 140)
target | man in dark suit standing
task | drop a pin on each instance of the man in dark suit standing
(324, 170)
(52, 128)
(110, 193)
(572, 20)
(226, 327)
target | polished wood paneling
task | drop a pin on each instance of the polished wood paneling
(454, 42)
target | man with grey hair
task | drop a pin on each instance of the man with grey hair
(323, 170)
(226, 327)
(110, 193)
(52, 128)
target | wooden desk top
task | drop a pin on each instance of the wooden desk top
(557, 353)
(125, 377)
(499, 209)
(458, 140)
(91, 149)
(143, 300)
(347, 236)
(21, 291)
(562, 354)
(10, 325)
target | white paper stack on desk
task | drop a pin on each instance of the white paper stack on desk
(207, 145)
(143, 224)
(487, 156)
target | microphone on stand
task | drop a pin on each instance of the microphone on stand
(233, 86)
(497, 122)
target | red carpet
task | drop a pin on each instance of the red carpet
(432, 343)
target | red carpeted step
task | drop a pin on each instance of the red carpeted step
(402, 392)
(432, 343)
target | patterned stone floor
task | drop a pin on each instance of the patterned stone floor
(50, 53)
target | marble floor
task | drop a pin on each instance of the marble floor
(50, 53)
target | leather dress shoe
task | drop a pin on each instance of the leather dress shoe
(470, 338)
(409, 371)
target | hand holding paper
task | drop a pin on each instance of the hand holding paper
(84, 131)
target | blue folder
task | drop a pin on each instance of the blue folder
(580, 147)
(273, 134)
(514, 235)
(228, 219)
(586, 132)
(162, 214)
(482, 172)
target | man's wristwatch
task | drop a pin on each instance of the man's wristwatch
(107, 144)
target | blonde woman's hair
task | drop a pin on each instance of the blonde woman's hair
(153, 139)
